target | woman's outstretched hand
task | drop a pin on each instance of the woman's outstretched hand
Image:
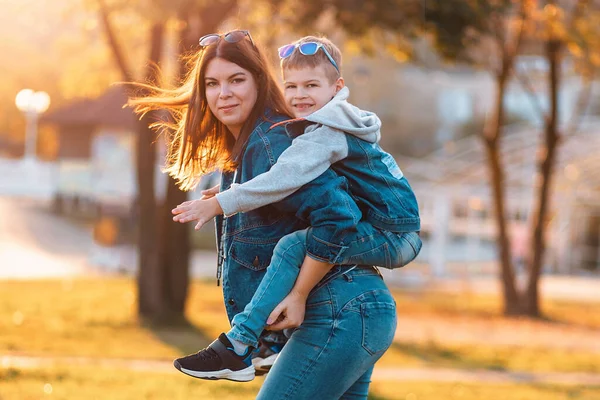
(288, 314)
(197, 210)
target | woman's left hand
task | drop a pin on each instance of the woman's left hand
(288, 314)
(197, 210)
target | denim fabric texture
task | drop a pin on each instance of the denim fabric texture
(350, 321)
(350, 318)
(371, 247)
(376, 182)
(246, 241)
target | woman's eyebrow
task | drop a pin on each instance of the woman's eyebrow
(206, 78)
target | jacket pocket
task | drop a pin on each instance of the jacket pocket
(254, 256)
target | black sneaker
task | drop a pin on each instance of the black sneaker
(218, 361)
(265, 357)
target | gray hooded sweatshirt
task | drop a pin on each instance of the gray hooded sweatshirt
(310, 154)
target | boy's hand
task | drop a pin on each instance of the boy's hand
(210, 193)
(288, 314)
(200, 210)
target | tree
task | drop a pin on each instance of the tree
(151, 303)
(562, 26)
(499, 28)
(163, 246)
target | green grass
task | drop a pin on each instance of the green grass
(100, 383)
(97, 318)
(572, 313)
(496, 358)
(476, 391)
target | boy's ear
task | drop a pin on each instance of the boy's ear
(339, 84)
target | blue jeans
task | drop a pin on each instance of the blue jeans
(370, 247)
(350, 322)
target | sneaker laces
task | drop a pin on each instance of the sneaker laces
(207, 354)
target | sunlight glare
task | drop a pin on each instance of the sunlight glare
(48, 388)
(18, 318)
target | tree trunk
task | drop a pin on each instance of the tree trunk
(546, 159)
(491, 138)
(175, 238)
(113, 43)
(151, 301)
(163, 246)
(150, 295)
(174, 243)
(175, 260)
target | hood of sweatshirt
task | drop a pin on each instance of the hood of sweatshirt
(339, 114)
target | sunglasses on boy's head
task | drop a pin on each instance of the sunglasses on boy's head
(307, 49)
(230, 37)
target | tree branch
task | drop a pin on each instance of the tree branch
(119, 56)
(512, 48)
(585, 94)
(582, 103)
(579, 7)
(529, 89)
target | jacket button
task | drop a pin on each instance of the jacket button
(231, 302)
(255, 262)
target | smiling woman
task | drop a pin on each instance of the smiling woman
(230, 87)
(231, 93)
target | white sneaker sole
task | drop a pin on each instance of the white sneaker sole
(244, 375)
(264, 364)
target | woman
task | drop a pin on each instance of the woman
(223, 114)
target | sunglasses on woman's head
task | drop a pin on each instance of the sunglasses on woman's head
(230, 37)
(307, 49)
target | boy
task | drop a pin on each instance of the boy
(328, 132)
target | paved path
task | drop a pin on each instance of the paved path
(380, 374)
(35, 243)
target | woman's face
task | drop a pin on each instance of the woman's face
(231, 93)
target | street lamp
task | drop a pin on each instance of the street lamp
(31, 104)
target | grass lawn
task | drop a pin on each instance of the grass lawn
(100, 383)
(97, 318)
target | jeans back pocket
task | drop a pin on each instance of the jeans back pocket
(379, 326)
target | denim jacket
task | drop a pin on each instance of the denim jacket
(379, 187)
(246, 241)
(376, 182)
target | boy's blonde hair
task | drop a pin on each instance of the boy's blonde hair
(298, 60)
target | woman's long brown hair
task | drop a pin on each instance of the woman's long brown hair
(197, 142)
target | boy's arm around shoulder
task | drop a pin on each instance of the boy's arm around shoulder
(292, 166)
(324, 203)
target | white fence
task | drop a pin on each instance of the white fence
(28, 178)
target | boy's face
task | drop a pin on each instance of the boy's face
(307, 89)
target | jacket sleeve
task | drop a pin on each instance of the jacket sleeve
(308, 157)
(324, 203)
